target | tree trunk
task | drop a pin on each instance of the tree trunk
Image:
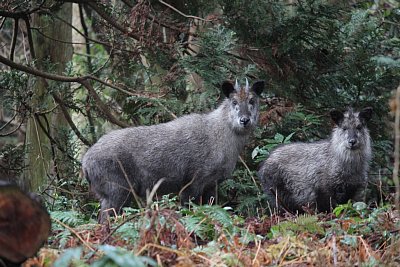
(51, 56)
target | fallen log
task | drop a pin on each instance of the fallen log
(24, 225)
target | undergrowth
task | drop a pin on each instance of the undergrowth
(165, 234)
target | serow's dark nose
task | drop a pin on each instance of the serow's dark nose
(352, 142)
(244, 121)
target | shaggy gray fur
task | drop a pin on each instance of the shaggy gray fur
(323, 173)
(193, 152)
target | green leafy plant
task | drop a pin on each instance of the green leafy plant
(351, 209)
(70, 257)
(300, 224)
(261, 153)
(119, 257)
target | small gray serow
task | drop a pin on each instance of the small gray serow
(321, 174)
(189, 154)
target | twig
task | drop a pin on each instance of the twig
(166, 109)
(111, 233)
(86, 244)
(153, 191)
(334, 250)
(137, 198)
(181, 13)
(86, 32)
(2, 22)
(67, 42)
(280, 202)
(179, 253)
(194, 229)
(36, 120)
(258, 250)
(159, 247)
(284, 250)
(248, 170)
(13, 131)
(52, 140)
(55, 39)
(397, 149)
(187, 185)
(366, 247)
(9, 122)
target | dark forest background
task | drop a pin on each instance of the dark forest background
(73, 70)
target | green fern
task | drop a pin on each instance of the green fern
(195, 225)
(129, 231)
(204, 220)
(71, 218)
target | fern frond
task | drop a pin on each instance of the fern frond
(71, 218)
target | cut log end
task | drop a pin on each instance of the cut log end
(24, 224)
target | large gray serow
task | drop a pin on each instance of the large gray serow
(192, 153)
(321, 174)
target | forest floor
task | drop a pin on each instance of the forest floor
(165, 235)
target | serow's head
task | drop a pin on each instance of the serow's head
(351, 130)
(243, 104)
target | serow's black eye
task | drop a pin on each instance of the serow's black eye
(251, 101)
(234, 102)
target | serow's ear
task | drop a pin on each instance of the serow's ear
(258, 87)
(366, 114)
(227, 88)
(337, 116)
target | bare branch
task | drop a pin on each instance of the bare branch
(54, 39)
(85, 35)
(102, 106)
(2, 22)
(14, 130)
(39, 73)
(14, 39)
(110, 20)
(30, 38)
(86, 32)
(18, 14)
(69, 120)
(9, 122)
(82, 80)
(47, 133)
(181, 13)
